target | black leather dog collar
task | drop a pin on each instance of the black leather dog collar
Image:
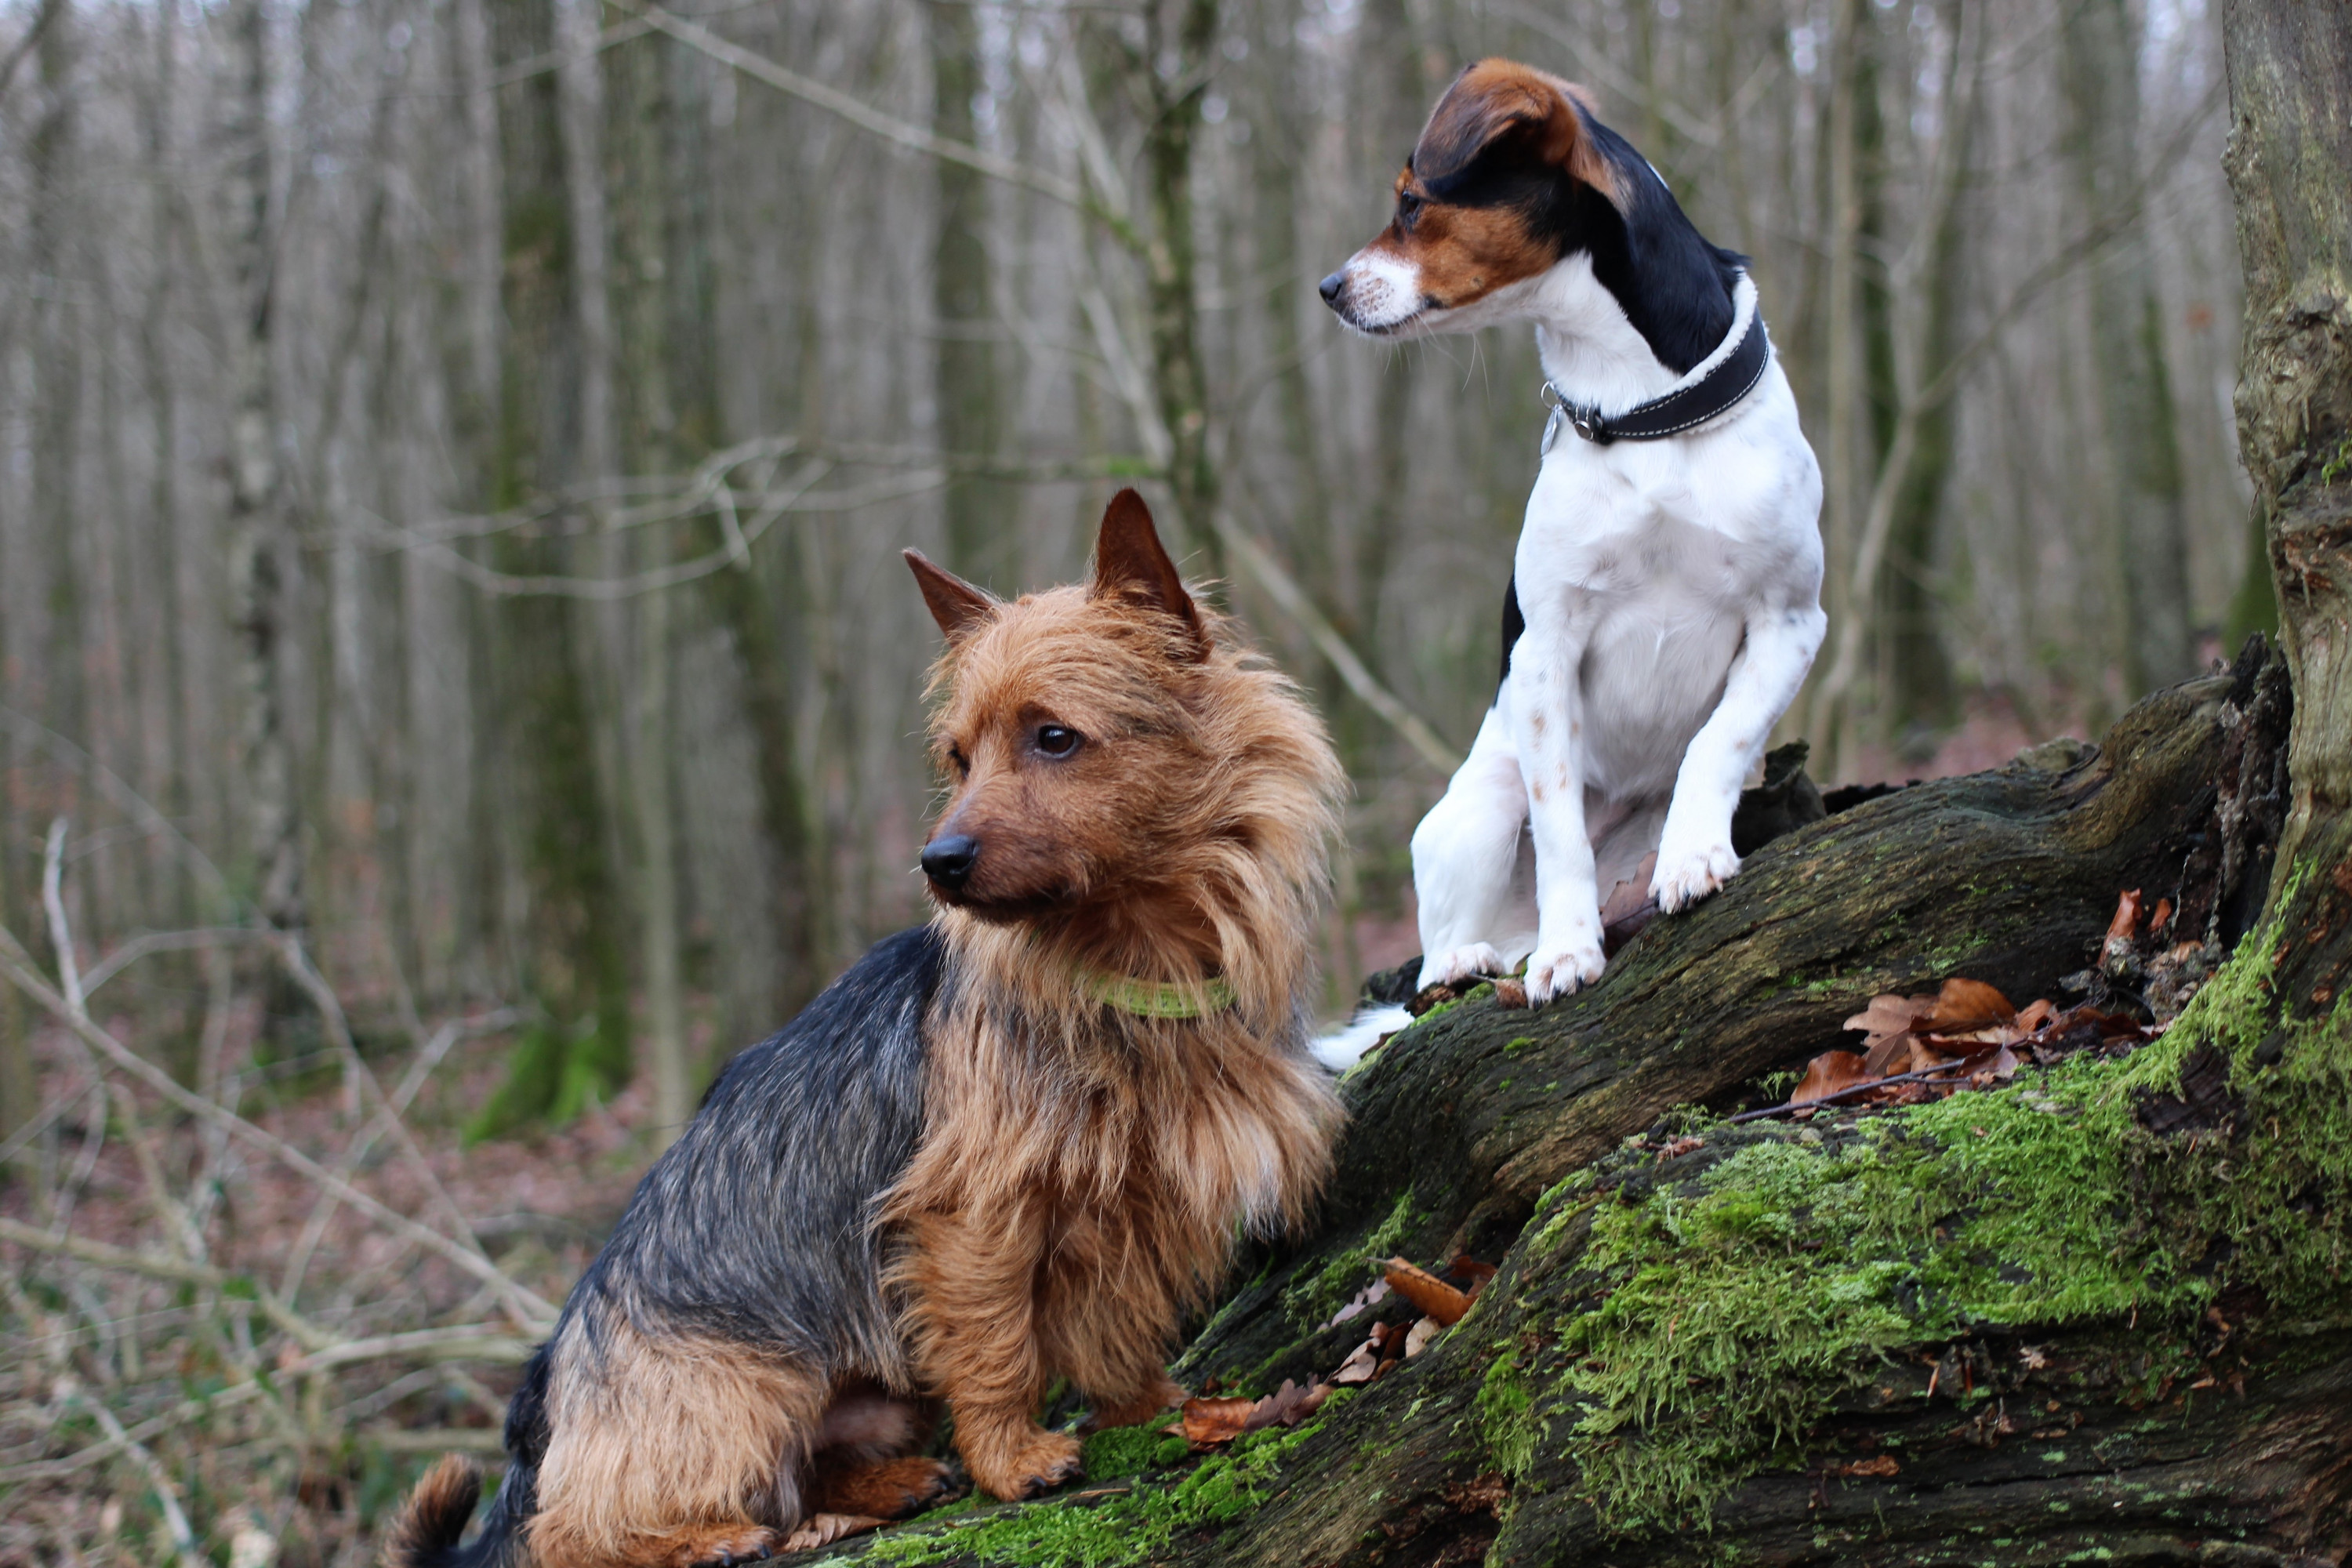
(1679, 410)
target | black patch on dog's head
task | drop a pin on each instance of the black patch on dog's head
(1506, 137)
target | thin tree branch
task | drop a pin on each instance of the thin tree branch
(903, 134)
(534, 1310)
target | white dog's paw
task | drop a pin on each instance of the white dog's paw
(1460, 964)
(1557, 971)
(1683, 880)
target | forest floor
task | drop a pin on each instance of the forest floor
(305, 1472)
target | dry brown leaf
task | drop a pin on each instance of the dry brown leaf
(1510, 993)
(1926, 1057)
(1831, 1072)
(1417, 1338)
(1886, 1052)
(2126, 916)
(1997, 1065)
(1371, 1296)
(1625, 899)
(1360, 1365)
(2162, 918)
(2036, 1013)
(1286, 1406)
(1212, 1421)
(1892, 1014)
(1425, 1290)
(1877, 1465)
(1964, 1004)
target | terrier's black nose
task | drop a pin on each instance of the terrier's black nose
(948, 861)
(1330, 288)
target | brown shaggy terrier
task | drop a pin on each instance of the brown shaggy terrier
(1011, 1146)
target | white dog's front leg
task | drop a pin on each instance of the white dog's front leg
(1695, 854)
(1547, 722)
(1463, 853)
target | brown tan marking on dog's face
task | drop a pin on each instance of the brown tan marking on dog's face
(1469, 210)
(1065, 741)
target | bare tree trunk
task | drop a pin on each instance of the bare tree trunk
(1920, 695)
(983, 540)
(257, 548)
(55, 361)
(574, 971)
(1173, 68)
(2100, 64)
(177, 652)
(1828, 714)
(637, 128)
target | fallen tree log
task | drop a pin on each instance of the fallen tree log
(1460, 1124)
(2095, 1312)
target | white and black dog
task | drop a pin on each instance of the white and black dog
(1666, 597)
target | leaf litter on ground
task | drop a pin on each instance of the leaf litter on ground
(1967, 1035)
(1439, 1298)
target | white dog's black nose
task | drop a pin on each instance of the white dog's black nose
(1330, 288)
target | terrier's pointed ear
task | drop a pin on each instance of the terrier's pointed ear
(959, 607)
(1130, 565)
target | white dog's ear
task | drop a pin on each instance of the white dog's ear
(959, 607)
(1498, 99)
(1131, 564)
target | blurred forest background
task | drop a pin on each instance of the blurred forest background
(457, 454)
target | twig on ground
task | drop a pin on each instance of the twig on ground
(1846, 1093)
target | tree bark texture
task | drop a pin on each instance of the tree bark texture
(2290, 165)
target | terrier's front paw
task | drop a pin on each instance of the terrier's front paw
(1460, 964)
(1040, 1462)
(1556, 971)
(724, 1546)
(1683, 877)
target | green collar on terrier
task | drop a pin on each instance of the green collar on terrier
(1157, 998)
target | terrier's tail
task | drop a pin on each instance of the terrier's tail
(433, 1521)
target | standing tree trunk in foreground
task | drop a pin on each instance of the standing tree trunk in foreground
(2100, 1310)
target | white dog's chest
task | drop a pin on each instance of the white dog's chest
(1658, 599)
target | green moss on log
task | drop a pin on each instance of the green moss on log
(1715, 1321)
(1105, 1531)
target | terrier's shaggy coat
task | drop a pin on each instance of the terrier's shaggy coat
(1014, 1145)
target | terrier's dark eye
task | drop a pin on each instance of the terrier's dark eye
(1408, 208)
(1055, 740)
(962, 763)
